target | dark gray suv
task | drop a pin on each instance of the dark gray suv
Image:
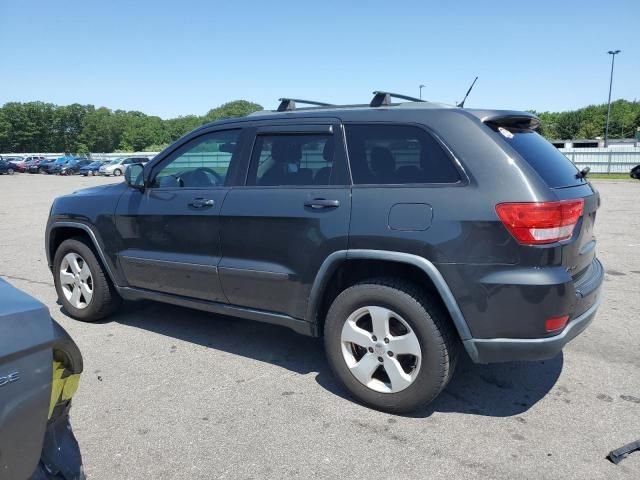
(398, 232)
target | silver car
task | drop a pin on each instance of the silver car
(118, 166)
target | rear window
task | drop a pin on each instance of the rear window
(554, 168)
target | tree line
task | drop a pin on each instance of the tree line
(589, 122)
(45, 127)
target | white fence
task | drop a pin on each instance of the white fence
(604, 160)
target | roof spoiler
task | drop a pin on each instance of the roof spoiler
(513, 119)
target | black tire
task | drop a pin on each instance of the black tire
(117, 172)
(105, 299)
(438, 341)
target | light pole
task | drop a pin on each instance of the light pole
(421, 87)
(613, 54)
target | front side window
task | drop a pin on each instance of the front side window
(298, 160)
(397, 154)
(203, 162)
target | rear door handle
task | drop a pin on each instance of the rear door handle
(319, 203)
(201, 203)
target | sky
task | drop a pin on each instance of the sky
(171, 58)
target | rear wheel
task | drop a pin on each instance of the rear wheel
(81, 283)
(390, 345)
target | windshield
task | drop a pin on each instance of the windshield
(115, 162)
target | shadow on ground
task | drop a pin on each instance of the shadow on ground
(498, 390)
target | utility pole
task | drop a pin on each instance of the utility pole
(421, 87)
(613, 54)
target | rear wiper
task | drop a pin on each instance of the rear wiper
(583, 173)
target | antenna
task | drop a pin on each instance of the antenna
(461, 104)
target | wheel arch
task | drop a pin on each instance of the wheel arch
(418, 267)
(61, 231)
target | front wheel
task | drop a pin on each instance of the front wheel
(117, 172)
(81, 283)
(390, 345)
(10, 171)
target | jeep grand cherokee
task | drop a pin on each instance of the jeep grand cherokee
(398, 232)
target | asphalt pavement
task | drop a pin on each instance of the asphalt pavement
(171, 393)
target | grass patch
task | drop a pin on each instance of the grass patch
(609, 176)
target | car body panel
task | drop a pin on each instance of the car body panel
(25, 349)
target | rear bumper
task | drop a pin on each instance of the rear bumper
(491, 350)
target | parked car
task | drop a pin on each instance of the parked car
(635, 172)
(40, 368)
(118, 166)
(6, 168)
(73, 166)
(92, 168)
(399, 233)
(53, 166)
(27, 162)
(13, 159)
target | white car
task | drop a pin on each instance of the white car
(119, 165)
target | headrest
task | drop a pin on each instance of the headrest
(382, 160)
(327, 151)
(283, 151)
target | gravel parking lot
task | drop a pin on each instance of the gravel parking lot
(173, 393)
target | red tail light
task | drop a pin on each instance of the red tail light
(556, 323)
(540, 223)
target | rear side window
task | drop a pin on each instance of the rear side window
(397, 154)
(555, 169)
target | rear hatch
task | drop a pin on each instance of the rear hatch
(562, 176)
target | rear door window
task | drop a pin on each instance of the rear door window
(397, 154)
(296, 160)
(555, 169)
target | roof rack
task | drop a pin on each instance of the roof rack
(381, 98)
(288, 104)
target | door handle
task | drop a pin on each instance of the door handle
(201, 203)
(319, 203)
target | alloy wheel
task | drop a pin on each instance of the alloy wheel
(76, 280)
(380, 349)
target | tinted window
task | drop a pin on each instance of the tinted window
(554, 168)
(291, 160)
(203, 162)
(397, 154)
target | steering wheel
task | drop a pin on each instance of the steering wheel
(209, 172)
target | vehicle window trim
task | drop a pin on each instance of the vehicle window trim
(455, 161)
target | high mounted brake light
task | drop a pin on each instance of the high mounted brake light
(542, 222)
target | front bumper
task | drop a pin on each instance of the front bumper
(491, 350)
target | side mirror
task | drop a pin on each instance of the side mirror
(134, 177)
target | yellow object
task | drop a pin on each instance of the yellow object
(62, 388)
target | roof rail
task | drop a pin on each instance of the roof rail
(288, 104)
(381, 98)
